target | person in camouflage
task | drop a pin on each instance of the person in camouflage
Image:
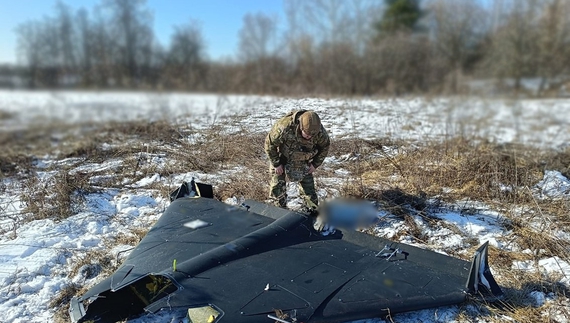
(296, 145)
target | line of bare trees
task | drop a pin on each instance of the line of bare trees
(323, 46)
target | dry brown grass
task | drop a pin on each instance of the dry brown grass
(518, 305)
(246, 184)
(4, 115)
(55, 198)
(132, 239)
(61, 302)
(13, 156)
(92, 263)
(473, 169)
(88, 265)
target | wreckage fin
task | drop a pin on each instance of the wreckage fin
(192, 189)
(481, 280)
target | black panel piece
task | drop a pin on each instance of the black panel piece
(317, 278)
(272, 298)
(269, 261)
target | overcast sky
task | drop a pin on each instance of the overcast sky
(221, 20)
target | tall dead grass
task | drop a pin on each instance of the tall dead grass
(56, 197)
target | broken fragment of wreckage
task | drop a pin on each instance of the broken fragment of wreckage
(259, 263)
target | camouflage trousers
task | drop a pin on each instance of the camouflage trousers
(278, 188)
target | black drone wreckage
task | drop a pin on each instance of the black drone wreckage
(259, 263)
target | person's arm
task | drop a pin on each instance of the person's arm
(323, 143)
(273, 140)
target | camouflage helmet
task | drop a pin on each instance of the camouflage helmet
(310, 123)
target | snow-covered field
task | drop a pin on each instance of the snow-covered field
(536, 122)
(36, 257)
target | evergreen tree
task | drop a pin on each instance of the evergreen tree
(399, 15)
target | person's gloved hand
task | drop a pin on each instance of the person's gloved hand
(318, 224)
(322, 227)
(311, 169)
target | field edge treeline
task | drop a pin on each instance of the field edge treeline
(357, 47)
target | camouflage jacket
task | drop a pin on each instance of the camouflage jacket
(285, 145)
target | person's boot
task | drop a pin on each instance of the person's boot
(309, 207)
(281, 203)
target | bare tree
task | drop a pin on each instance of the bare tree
(102, 49)
(259, 51)
(458, 29)
(40, 47)
(86, 46)
(132, 32)
(328, 26)
(514, 44)
(333, 21)
(337, 68)
(30, 49)
(553, 42)
(258, 37)
(67, 38)
(51, 54)
(186, 56)
(325, 20)
(401, 64)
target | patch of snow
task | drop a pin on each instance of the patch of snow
(553, 185)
